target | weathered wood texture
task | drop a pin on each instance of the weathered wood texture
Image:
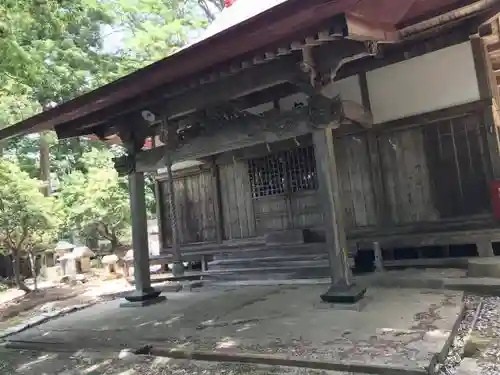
(355, 181)
(236, 199)
(300, 210)
(246, 214)
(194, 196)
(456, 156)
(435, 171)
(431, 174)
(406, 177)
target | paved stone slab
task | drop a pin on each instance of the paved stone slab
(403, 328)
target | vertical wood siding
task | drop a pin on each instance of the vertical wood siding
(356, 185)
(456, 156)
(194, 197)
(236, 199)
(406, 176)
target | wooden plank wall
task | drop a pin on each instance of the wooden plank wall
(271, 214)
(356, 181)
(307, 211)
(300, 210)
(236, 199)
(194, 195)
(457, 160)
(435, 171)
(406, 176)
(245, 216)
(429, 173)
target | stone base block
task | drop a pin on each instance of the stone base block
(345, 294)
(143, 303)
(146, 297)
(484, 267)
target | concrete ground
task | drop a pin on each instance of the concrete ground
(399, 329)
(88, 363)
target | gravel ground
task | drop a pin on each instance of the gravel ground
(482, 319)
(488, 327)
(452, 361)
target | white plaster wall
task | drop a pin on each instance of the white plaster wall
(348, 89)
(437, 80)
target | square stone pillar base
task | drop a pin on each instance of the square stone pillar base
(349, 294)
(140, 299)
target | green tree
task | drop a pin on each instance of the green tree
(50, 52)
(97, 201)
(153, 29)
(28, 220)
(53, 50)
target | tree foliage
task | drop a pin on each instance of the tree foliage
(52, 51)
(97, 201)
(28, 220)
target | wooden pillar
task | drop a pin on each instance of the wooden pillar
(177, 267)
(489, 93)
(217, 206)
(342, 290)
(159, 215)
(159, 206)
(144, 293)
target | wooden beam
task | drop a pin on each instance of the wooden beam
(228, 140)
(476, 107)
(251, 100)
(463, 237)
(273, 126)
(232, 86)
(229, 87)
(253, 79)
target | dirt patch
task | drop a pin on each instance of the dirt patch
(35, 299)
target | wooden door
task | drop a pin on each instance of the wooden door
(194, 196)
(283, 186)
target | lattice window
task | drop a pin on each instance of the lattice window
(283, 172)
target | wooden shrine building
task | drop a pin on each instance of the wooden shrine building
(338, 123)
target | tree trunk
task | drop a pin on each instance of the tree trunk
(34, 269)
(17, 271)
(45, 164)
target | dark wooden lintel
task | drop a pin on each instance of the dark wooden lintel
(273, 126)
(418, 120)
